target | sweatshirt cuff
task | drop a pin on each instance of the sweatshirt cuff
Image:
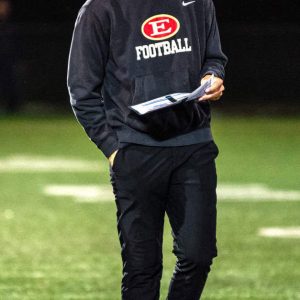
(217, 73)
(109, 146)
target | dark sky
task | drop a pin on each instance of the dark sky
(46, 11)
(228, 10)
(258, 10)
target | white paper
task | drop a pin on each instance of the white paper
(171, 99)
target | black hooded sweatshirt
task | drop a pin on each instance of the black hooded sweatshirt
(127, 52)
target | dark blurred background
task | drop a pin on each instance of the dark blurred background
(261, 39)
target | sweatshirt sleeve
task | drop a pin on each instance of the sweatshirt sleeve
(215, 60)
(86, 68)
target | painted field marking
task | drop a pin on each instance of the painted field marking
(255, 192)
(226, 192)
(28, 164)
(278, 232)
(81, 193)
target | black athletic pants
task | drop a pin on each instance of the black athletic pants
(181, 181)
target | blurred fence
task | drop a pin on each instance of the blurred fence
(263, 64)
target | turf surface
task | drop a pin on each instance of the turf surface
(56, 248)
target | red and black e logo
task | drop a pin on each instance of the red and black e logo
(160, 27)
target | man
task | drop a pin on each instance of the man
(128, 52)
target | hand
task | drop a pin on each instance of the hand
(112, 158)
(215, 92)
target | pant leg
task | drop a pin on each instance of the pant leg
(191, 210)
(140, 179)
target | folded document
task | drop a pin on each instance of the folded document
(171, 99)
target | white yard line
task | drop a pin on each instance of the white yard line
(226, 192)
(36, 164)
(255, 192)
(278, 232)
(81, 193)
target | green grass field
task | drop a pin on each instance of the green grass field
(58, 248)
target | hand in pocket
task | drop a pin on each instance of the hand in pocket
(112, 157)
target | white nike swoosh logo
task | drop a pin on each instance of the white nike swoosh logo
(187, 3)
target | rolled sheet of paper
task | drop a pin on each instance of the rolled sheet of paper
(200, 91)
(171, 99)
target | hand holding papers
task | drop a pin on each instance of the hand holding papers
(171, 99)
